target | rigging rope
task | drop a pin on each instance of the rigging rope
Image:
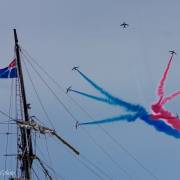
(74, 118)
(8, 126)
(116, 141)
(38, 97)
(35, 173)
(88, 114)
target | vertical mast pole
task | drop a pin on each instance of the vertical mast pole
(26, 142)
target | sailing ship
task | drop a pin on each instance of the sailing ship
(26, 124)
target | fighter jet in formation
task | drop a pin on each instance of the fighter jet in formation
(68, 89)
(77, 124)
(75, 68)
(124, 25)
(172, 52)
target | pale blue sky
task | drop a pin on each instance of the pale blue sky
(128, 63)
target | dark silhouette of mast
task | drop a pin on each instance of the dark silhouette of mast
(26, 158)
(26, 124)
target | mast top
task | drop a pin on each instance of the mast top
(15, 36)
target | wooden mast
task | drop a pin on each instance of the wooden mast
(25, 148)
(26, 158)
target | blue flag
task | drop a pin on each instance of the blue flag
(10, 71)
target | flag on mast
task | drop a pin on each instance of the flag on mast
(10, 71)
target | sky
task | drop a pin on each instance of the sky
(128, 63)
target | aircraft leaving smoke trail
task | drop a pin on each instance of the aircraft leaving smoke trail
(115, 100)
(160, 90)
(127, 117)
(137, 111)
(93, 97)
(159, 112)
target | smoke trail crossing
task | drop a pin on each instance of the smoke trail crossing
(138, 111)
(115, 100)
(159, 112)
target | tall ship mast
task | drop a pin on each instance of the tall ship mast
(25, 158)
(29, 162)
(26, 124)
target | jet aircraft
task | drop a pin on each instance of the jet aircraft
(124, 25)
(68, 89)
(77, 124)
(75, 68)
(172, 52)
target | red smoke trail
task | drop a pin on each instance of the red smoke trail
(171, 126)
(160, 91)
(168, 98)
(158, 110)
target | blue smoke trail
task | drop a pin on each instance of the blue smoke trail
(127, 117)
(162, 127)
(139, 110)
(122, 103)
(108, 101)
(159, 125)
